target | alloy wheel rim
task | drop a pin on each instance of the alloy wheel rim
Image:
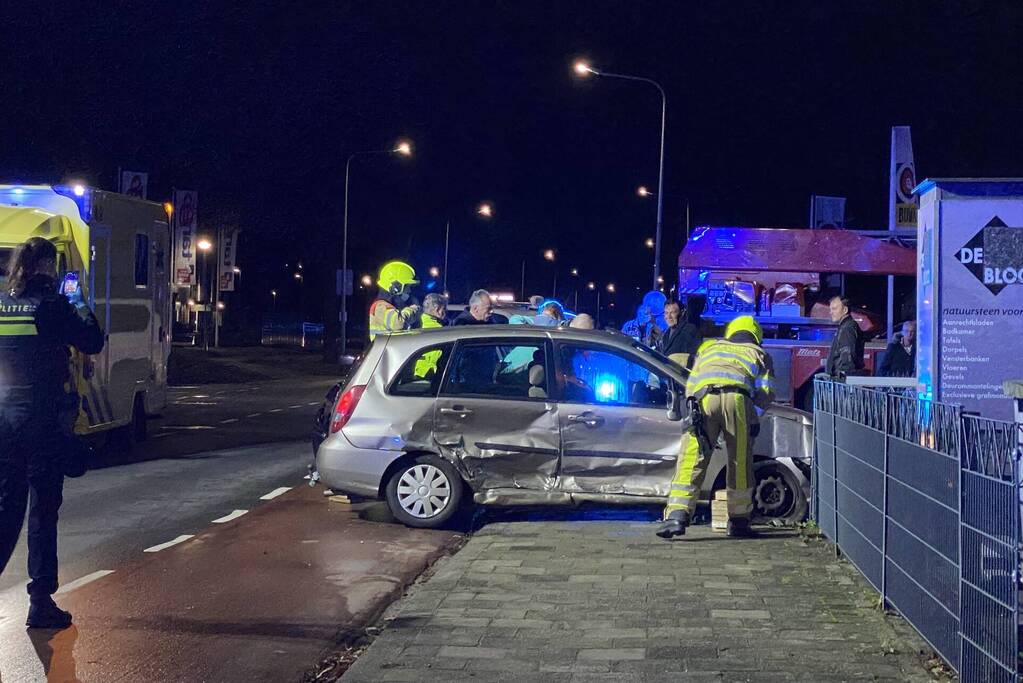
(423, 491)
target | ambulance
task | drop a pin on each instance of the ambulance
(113, 251)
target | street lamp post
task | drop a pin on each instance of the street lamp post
(585, 69)
(205, 246)
(403, 148)
(550, 255)
(485, 210)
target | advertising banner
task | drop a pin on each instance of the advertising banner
(970, 293)
(901, 200)
(186, 203)
(134, 184)
(827, 212)
(228, 259)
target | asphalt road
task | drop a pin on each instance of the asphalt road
(141, 559)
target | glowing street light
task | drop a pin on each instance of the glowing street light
(611, 287)
(168, 209)
(367, 281)
(549, 255)
(584, 69)
(434, 271)
(650, 244)
(486, 210)
(402, 148)
(591, 286)
(575, 272)
(644, 191)
(204, 244)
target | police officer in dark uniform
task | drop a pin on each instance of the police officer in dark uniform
(38, 324)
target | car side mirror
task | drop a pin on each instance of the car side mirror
(674, 405)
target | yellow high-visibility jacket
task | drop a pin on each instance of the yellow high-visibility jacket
(385, 317)
(428, 362)
(721, 363)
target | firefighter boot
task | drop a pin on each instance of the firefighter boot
(674, 525)
(44, 613)
(740, 528)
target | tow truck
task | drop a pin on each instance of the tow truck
(115, 248)
(775, 274)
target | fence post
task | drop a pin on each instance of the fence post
(834, 459)
(1017, 453)
(959, 440)
(884, 503)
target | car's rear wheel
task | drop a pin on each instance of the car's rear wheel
(424, 492)
(777, 494)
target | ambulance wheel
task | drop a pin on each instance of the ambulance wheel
(138, 429)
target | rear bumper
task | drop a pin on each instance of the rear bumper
(348, 469)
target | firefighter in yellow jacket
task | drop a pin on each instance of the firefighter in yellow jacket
(730, 377)
(395, 308)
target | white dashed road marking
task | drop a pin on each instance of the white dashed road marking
(88, 578)
(227, 518)
(277, 410)
(276, 492)
(227, 422)
(168, 544)
(186, 427)
(293, 407)
(312, 404)
(254, 415)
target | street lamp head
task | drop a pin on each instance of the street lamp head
(366, 280)
(298, 276)
(575, 272)
(583, 69)
(434, 271)
(273, 293)
(169, 209)
(660, 279)
(404, 148)
(221, 305)
(644, 191)
(204, 244)
(649, 242)
(486, 209)
(548, 254)
(591, 285)
(237, 270)
(611, 287)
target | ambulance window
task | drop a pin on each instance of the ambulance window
(141, 260)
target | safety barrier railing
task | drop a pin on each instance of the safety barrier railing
(925, 502)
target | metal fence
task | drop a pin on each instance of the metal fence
(925, 502)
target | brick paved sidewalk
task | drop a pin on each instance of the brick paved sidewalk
(607, 600)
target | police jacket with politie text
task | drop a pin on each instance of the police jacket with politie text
(846, 354)
(36, 330)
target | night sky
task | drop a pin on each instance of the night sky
(258, 105)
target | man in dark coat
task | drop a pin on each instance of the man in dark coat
(683, 335)
(900, 356)
(846, 354)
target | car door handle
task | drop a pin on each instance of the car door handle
(460, 411)
(588, 419)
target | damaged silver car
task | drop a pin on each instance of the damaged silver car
(519, 415)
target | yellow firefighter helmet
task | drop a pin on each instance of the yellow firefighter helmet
(396, 275)
(745, 323)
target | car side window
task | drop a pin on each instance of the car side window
(498, 370)
(590, 374)
(422, 372)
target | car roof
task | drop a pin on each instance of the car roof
(412, 340)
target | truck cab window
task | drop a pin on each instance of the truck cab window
(141, 260)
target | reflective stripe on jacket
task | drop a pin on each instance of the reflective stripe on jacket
(723, 364)
(384, 317)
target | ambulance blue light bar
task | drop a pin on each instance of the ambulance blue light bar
(81, 195)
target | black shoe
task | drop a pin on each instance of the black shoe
(44, 613)
(674, 525)
(740, 528)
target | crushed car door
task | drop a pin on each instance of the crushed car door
(616, 438)
(494, 415)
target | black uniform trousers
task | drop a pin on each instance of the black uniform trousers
(30, 477)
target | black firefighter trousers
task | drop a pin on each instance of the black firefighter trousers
(30, 477)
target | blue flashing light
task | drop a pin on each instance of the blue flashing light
(18, 191)
(81, 195)
(605, 391)
(431, 285)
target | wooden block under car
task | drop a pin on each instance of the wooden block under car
(719, 511)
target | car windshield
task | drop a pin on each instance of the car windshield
(646, 350)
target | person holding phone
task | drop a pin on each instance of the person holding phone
(38, 326)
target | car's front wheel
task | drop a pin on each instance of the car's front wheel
(424, 492)
(777, 494)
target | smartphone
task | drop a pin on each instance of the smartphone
(71, 287)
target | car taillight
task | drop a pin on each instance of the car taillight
(345, 407)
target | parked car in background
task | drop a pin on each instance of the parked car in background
(521, 415)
